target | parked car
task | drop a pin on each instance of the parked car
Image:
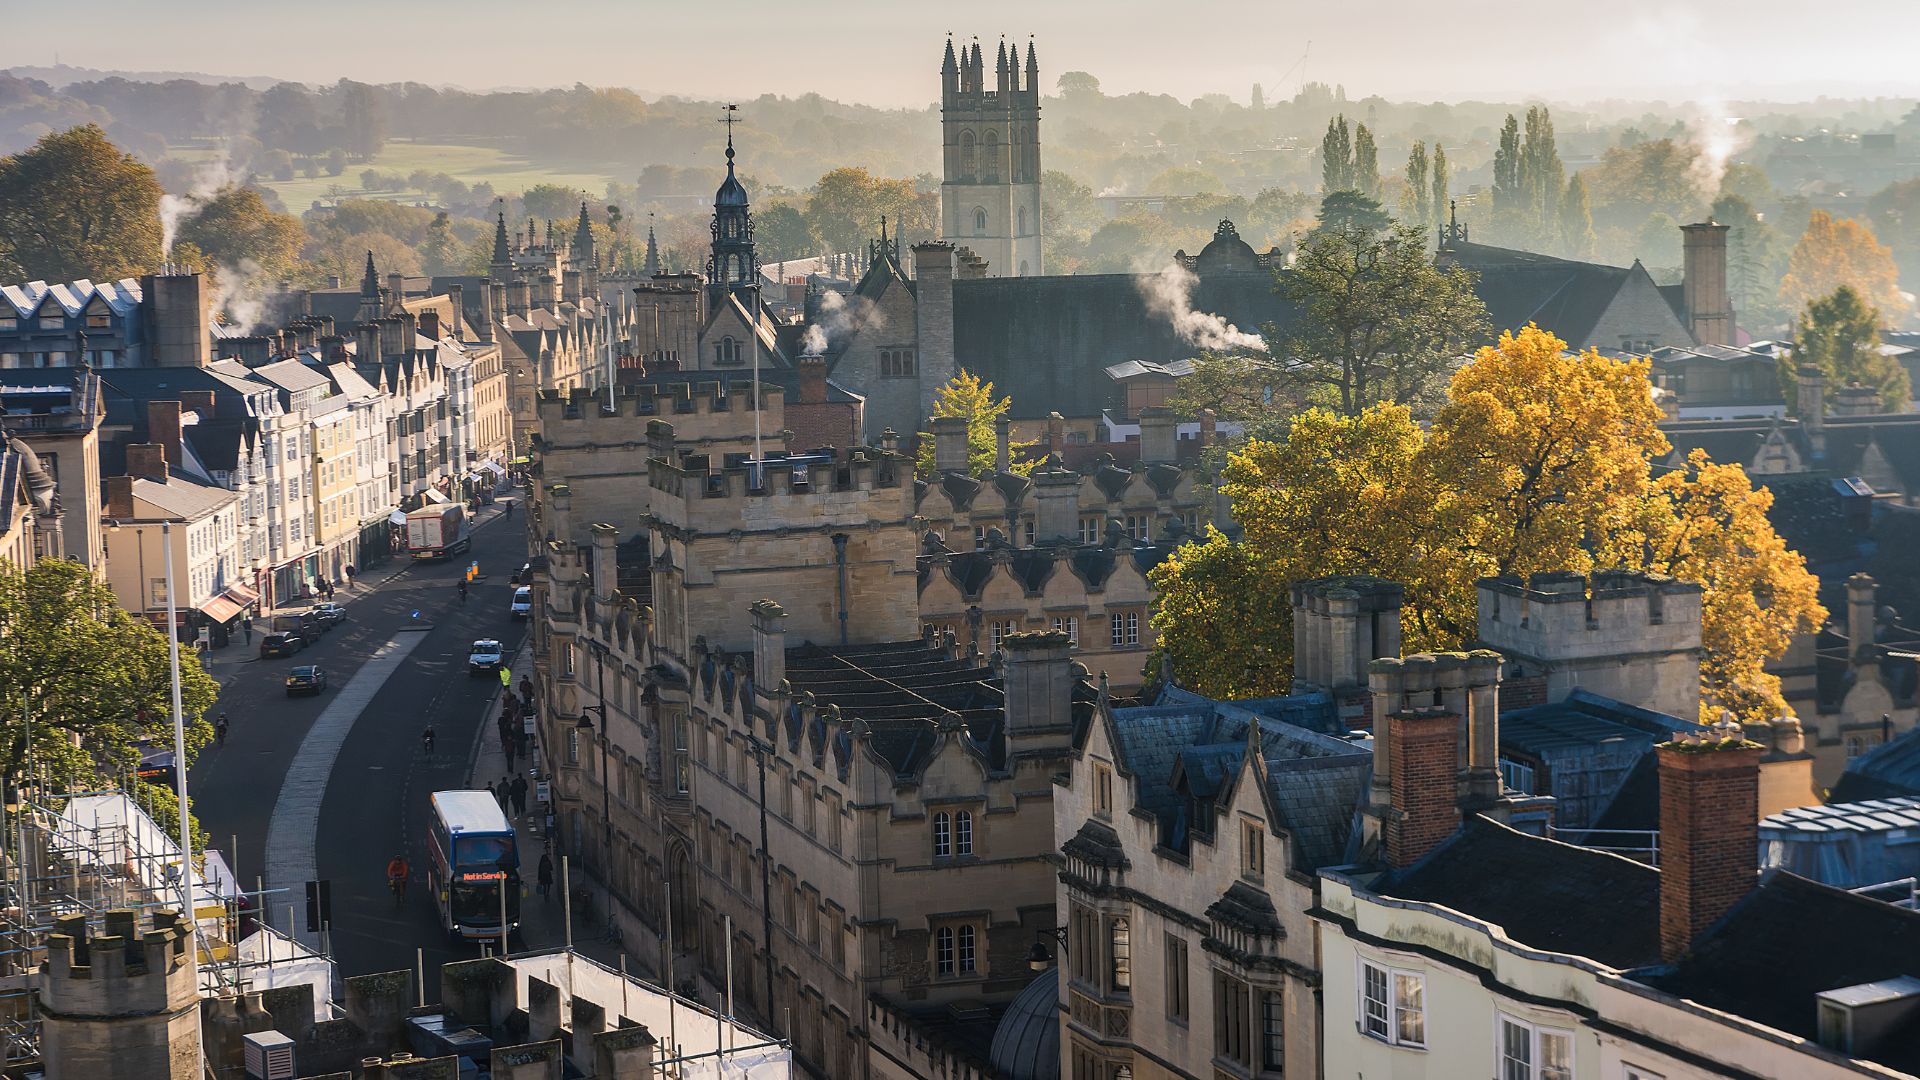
(304, 624)
(521, 575)
(281, 645)
(522, 606)
(306, 679)
(329, 613)
(485, 657)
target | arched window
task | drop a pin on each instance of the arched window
(979, 221)
(1020, 216)
(967, 942)
(963, 833)
(967, 159)
(726, 351)
(943, 835)
(990, 158)
(943, 951)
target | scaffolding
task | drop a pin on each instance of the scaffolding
(90, 853)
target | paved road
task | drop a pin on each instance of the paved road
(373, 799)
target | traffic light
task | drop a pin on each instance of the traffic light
(319, 905)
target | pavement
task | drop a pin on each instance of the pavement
(332, 786)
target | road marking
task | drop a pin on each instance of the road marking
(294, 828)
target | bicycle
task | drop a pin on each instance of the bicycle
(398, 887)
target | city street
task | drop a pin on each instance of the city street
(371, 800)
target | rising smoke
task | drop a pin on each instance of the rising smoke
(1718, 138)
(239, 290)
(1169, 293)
(838, 317)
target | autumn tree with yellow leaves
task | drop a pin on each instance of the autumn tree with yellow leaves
(1537, 461)
(970, 398)
(1836, 252)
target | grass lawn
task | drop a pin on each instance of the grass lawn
(470, 164)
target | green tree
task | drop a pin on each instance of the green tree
(968, 396)
(1336, 156)
(1366, 163)
(74, 206)
(845, 207)
(336, 161)
(442, 253)
(1077, 84)
(1419, 205)
(1576, 220)
(1840, 334)
(1542, 179)
(781, 232)
(551, 202)
(1442, 208)
(363, 118)
(1234, 386)
(84, 680)
(235, 227)
(1347, 209)
(1377, 320)
(1509, 194)
(1756, 261)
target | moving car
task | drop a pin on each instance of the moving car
(303, 624)
(522, 575)
(306, 679)
(522, 605)
(329, 613)
(281, 645)
(485, 657)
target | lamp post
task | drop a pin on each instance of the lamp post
(180, 789)
(766, 873)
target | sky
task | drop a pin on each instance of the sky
(886, 52)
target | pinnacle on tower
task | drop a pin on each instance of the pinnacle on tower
(947, 65)
(502, 254)
(370, 281)
(652, 266)
(582, 251)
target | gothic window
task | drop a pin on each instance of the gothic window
(963, 832)
(942, 835)
(979, 221)
(943, 950)
(726, 351)
(896, 363)
(1021, 229)
(990, 153)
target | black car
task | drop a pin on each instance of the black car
(305, 624)
(522, 575)
(281, 645)
(308, 679)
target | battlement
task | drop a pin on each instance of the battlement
(122, 971)
(1566, 614)
(710, 488)
(704, 409)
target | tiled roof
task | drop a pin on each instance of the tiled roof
(1542, 893)
(182, 496)
(1790, 939)
(1889, 770)
(122, 296)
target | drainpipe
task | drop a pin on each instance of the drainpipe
(840, 561)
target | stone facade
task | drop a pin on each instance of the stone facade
(990, 194)
(121, 1003)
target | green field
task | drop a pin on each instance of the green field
(470, 164)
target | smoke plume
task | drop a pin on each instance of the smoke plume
(1717, 138)
(840, 316)
(211, 178)
(1169, 293)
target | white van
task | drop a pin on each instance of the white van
(522, 605)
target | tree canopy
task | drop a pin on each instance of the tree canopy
(1539, 460)
(236, 227)
(1840, 251)
(76, 206)
(1840, 335)
(971, 397)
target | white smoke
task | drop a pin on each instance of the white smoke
(239, 291)
(815, 342)
(839, 317)
(1716, 138)
(209, 180)
(1169, 293)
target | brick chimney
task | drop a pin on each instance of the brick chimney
(1709, 833)
(1209, 426)
(430, 324)
(163, 428)
(1424, 764)
(147, 461)
(119, 496)
(813, 380)
(198, 402)
(1703, 291)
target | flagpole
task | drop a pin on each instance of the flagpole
(191, 924)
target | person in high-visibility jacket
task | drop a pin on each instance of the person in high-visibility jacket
(506, 676)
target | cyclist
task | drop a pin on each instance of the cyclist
(426, 740)
(463, 590)
(220, 729)
(397, 872)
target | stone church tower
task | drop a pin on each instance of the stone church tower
(990, 199)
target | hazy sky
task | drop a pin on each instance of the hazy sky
(887, 51)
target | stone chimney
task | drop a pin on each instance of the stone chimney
(1341, 625)
(163, 428)
(1424, 762)
(394, 340)
(1861, 621)
(456, 324)
(1037, 680)
(430, 324)
(1704, 293)
(366, 342)
(769, 645)
(178, 310)
(1056, 496)
(1709, 833)
(147, 461)
(118, 497)
(570, 283)
(1810, 401)
(493, 306)
(396, 288)
(1856, 400)
(1209, 427)
(933, 324)
(950, 444)
(560, 500)
(1002, 445)
(813, 380)
(1158, 432)
(1056, 433)
(519, 297)
(606, 561)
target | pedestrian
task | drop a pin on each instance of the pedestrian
(220, 729)
(526, 691)
(546, 876)
(505, 792)
(490, 791)
(426, 740)
(520, 741)
(246, 627)
(519, 795)
(506, 508)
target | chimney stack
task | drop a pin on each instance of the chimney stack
(147, 461)
(1341, 625)
(198, 402)
(769, 645)
(366, 338)
(1860, 617)
(1424, 761)
(1209, 427)
(1810, 401)
(606, 561)
(1158, 432)
(430, 324)
(1704, 290)
(1056, 510)
(1002, 445)
(813, 380)
(1709, 832)
(457, 322)
(1037, 682)
(119, 497)
(396, 290)
(1056, 433)
(950, 445)
(560, 499)
(163, 428)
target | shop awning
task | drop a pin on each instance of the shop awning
(220, 609)
(521, 461)
(398, 517)
(493, 468)
(433, 495)
(242, 595)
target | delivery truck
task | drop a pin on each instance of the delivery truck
(437, 532)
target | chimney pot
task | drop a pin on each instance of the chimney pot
(1709, 834)
(1424, 766)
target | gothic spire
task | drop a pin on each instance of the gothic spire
(947, 65)
(502, 253)
(370, 281)
(652, 267)
(582, 251)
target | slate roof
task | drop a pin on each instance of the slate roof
(1889, 770)
(1585, 719)
(1542, 893)
(1520, 287)
(1790, 939)
(182, 496)
(1026, 1045)
(122, 296)
(1188, 745)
